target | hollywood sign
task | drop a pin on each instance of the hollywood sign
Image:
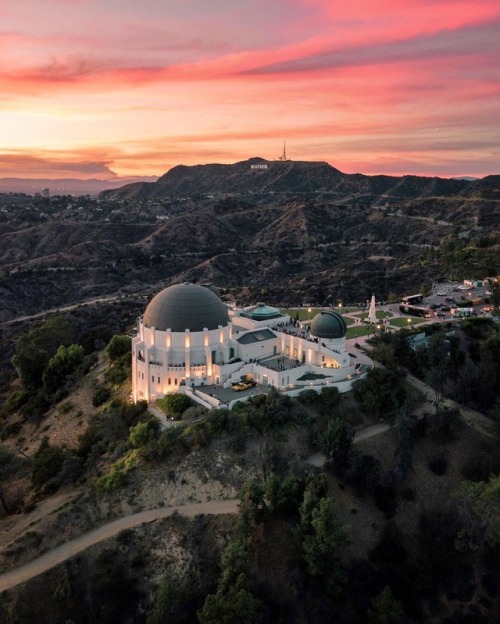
(258, 166)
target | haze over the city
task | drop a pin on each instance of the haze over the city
(100, 89)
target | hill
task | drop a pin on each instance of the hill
(257, 175)
(293, 232)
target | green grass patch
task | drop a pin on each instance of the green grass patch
(380, 314)
(405, 321)
(359, 330)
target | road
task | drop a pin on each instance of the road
(27, 571)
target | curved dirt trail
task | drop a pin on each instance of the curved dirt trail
(69, 549)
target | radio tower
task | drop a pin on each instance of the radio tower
(283, 156)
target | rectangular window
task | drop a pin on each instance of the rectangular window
(169, 381)
(158, 380)
(153, 378)
(175, 382)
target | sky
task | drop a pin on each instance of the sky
(106, 88)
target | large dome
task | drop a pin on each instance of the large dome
(328, 324)
(186, 306)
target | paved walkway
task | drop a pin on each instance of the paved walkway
(49, 560)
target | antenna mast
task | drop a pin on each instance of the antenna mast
(283, 156)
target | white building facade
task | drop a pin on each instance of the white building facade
(186, 340)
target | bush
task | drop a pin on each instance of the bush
(11, 429)
(174, 405)
(101, 394)
(119, 345)
(120, 369)
(47, 463)
(144, 432)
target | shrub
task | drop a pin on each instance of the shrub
(144, 432)
(119, 345)
(47, 463)
(101, 394)
(174, 405)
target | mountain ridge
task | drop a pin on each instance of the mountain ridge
(257, 175)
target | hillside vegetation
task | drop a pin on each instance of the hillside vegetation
(398, 527)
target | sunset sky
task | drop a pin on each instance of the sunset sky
(104, 88)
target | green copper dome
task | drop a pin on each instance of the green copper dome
(328, 324)
(186, 306)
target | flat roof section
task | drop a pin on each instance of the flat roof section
(258, 335)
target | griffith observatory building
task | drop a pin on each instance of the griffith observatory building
(189, 341)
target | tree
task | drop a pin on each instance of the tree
(34, 349)
(336, 443)
(385, 608)
(322, 547)
(233, 600)
(47, 463)
(174, 405)
(316, 488)
(144, 432)
(252, 502)
(238, 604)
(171, 597)
(438, 361)
(119, 345)
(479, 504)
(9, 465)
(381, 393)
(65, 361)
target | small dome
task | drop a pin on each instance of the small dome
(186, 306)
(212, 287)
(328, 324)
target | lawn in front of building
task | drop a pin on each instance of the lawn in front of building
(360, 330)
(405, 321)
(380, 314)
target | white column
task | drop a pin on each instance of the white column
(187, 354)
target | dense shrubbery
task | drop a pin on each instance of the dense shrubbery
(174, 405)
(462, 364)
(47, 463)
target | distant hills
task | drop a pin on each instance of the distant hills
(284, 232)
(259, 176)
(66, 186)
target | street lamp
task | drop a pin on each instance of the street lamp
(309, 310)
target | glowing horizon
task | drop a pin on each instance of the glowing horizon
(126, 89)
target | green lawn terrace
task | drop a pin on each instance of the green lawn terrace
(356, 321)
